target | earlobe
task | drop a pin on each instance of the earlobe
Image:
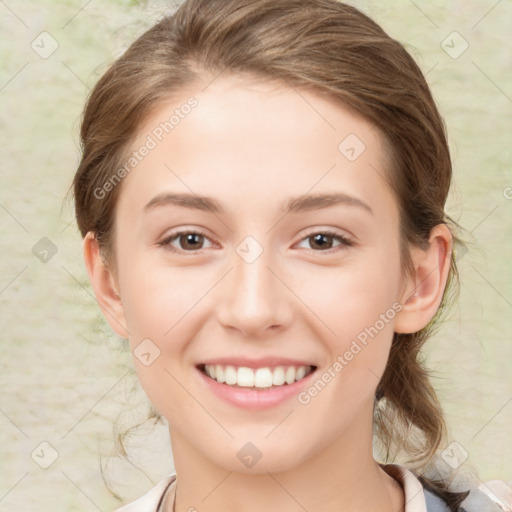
(104, 285)
(424, 290)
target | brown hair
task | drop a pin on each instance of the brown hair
(332, 49)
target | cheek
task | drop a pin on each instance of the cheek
(155, 299)
(156, 309)
(357, 305)
(161, 306)
(352, 297)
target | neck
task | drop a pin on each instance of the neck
(343, 477)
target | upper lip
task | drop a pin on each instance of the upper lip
(261, 362)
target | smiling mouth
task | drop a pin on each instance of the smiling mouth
(256, 378)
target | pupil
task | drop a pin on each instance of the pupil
(190, 238)
(319, 237)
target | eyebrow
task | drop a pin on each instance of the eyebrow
(295, 204)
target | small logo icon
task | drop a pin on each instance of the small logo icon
(454, 455)
(146, 352)
(44, 45)
(249, 455)
(454, 45)
(44, 250)
(351, 147)
(44, 455)
(249, 249)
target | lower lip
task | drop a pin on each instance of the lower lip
(254, 399)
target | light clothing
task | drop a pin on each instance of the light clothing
(417, 498)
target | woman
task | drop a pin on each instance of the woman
(261, 195)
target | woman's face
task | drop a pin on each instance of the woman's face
(262, 171)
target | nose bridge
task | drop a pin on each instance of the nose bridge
(253, 298)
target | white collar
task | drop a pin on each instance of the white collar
(413, 490)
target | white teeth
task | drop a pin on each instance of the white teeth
(263, 378)
(259, 378)
(289, 376)
(229, 375)
(278, 376)
(219, 374)
(245, 377)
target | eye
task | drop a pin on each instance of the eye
(324, 241)
(192, 240)
(188, 241)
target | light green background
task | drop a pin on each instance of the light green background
(64, 377)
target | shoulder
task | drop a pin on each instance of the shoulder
(420, 498)
(433, 502)
(484, 499)
(150, 501)
(478, 499)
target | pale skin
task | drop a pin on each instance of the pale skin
(252, 146)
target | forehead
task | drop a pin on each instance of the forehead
(256, 141)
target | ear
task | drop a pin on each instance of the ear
(104, 285)
(424, 290)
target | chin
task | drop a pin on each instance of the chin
(258, 458)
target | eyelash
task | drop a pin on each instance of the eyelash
(344, 242)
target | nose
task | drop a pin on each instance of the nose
(253, 298)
